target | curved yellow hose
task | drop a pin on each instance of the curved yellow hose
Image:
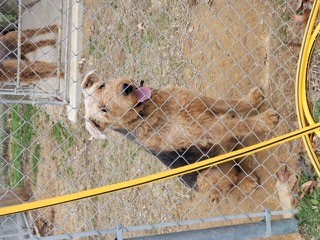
(303, 111)
(306, 109)
(162, 175)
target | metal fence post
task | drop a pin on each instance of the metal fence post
(119, 232)
(268, 222)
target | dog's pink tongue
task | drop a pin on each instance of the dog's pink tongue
(143, 94)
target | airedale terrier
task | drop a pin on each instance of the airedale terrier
(177, 126)
(30, 72)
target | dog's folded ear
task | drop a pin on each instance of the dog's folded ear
(89, 80)
(95, 129)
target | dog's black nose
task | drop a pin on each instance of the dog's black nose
(126, 89)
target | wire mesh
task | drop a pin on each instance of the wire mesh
(221, 49)
(32, 63)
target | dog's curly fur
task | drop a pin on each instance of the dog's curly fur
(178, 127)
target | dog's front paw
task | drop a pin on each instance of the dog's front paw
(213, 196)
(248, 183)
(208, 192)
(213, 184)
(270, 118)
(255, 97)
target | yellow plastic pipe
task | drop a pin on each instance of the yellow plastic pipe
(162, 175)
(301, 98)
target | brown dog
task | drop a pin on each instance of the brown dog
(177, 126)
(30, 71)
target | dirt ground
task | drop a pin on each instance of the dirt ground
(218, 48)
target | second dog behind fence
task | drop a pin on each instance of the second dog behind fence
(30, 71)
(178, 127)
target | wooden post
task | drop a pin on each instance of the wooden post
(14, 197)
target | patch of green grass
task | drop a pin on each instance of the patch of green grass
(57, 133)
(316, 112)
(10, 18)
(70, 171)
(92, 46)
(114, 5)
(22, 133)
(286, 17)
(149, 38)
(96, 48)
(129, 44)
(102, 49)
(282, 33)
(6, 20)
(162, 21)
(120, 26)
(133, 153)
(35, 160)
(309, 215)
(105, 144)
(63, 136)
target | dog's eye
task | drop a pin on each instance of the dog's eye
(102, 86)
(126, 89)
(104, 109)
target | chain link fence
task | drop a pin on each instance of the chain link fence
(32, 48)
(221, 49)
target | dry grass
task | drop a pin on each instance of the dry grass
(211, 48)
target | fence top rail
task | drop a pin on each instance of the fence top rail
(102, 232)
